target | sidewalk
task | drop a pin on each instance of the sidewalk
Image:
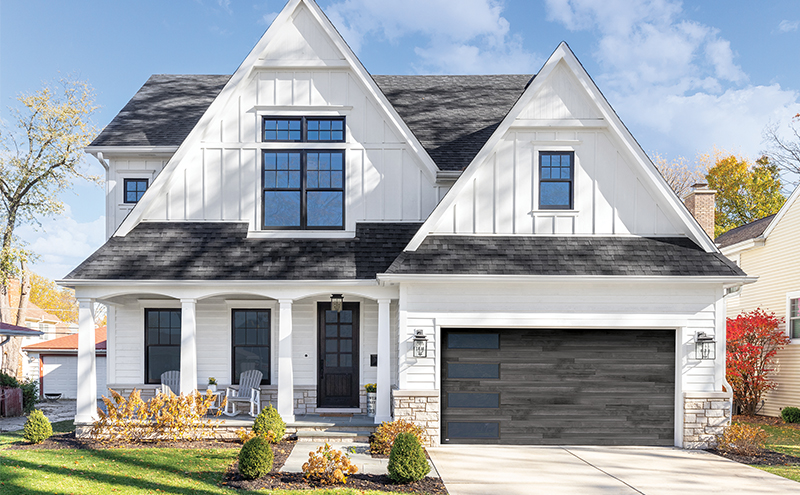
(55, 411)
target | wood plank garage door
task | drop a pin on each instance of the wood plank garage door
(578, 387)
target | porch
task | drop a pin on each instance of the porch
(297, 349)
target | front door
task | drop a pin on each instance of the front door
(337, 383)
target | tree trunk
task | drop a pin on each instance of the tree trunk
(24, 293)
(12, 357)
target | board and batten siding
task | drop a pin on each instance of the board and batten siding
(126, 168)
(610, 196)
(777, 266)
(434, 306)
(214, 340)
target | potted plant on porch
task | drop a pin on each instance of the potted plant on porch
(212, 384)
(372, 398)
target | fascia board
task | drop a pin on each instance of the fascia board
(165, 178)
(216, 283)
(742, 246)
(131, 150)
(629, 142)
(389, 278)
(372, 88)
(781, 213)
(563, 52)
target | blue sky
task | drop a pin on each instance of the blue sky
(683, 76)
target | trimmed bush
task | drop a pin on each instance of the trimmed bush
(255, 458)
(381, 442)
(790, 414)
(269, 420)
(37, 428)
(407, 460)
(742, 439)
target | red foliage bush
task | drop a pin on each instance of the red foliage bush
(753, 340)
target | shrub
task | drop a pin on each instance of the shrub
(164, 417)
(328, 466)
(407, 460)
(268, 420)
(790, 414)
(371, 388)
(742, 439)
(255, 458)
(30, 390)
(37, 428)
(753, 340)
(381, 442)
(245, 435)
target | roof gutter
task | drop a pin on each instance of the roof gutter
(732, 281)
(741, 246)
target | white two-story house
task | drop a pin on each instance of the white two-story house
(512, 267)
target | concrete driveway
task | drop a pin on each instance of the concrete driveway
(485, 470)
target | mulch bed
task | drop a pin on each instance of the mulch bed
(765, 458)
(295, 481)
(764, 420)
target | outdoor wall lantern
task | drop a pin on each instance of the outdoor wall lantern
(705, 347)
(420, 344)
(337, 300)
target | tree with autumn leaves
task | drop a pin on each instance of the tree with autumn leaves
(753, 340)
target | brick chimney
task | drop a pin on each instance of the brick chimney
(700, 203)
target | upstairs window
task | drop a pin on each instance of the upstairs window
(134, 190)
(303, 189)
(794, 318)
(304, 129)
(556, 172)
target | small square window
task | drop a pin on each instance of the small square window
(556, 172)
(134, 189)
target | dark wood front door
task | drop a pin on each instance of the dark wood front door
(337, 382)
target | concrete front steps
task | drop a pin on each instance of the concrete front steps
(331, 429)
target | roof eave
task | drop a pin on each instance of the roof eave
(742, 246)
(727, 281)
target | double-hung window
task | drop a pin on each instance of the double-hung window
(162, 342)
(556, 180)
(794, 318)
(251, 336)
(303, 188)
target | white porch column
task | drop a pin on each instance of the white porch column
(188, 346)
(383, 408)
(87, 366)
(285, 370)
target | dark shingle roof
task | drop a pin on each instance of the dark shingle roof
(222, 251)
(562, 255)
(453, 116)
(163, 111)
(744, 232)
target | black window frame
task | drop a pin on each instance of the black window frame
(303, 190)
(570, 180)
(125, 183)
(147, 344)
(266, 377)
(303, 129)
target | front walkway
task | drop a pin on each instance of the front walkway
(58, 410)
(524, 470)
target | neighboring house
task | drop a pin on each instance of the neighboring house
(57, 363)
(513, 267)
(8, 332)
(768, 249)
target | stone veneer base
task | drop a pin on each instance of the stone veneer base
(420, 407)
(705, 415)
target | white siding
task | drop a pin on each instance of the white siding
(687, 308)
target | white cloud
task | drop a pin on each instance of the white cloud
(673, 79)
(62, 243)
(788, 26)
(469, 36)
(226, 5)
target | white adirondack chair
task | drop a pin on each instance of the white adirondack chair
(170, 382)
(248, 392)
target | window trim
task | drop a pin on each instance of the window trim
(146, 345)
(266, 378)
(125, 181)
(790, 296)
(304, 189)
(540, 180)
(303, 128)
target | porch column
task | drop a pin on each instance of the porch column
(87, 366)
(285, 371)
(188, 346)
(383, 409)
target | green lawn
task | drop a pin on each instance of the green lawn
(786, 440)
(121, 471)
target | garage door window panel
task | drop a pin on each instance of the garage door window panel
(465, 429)
(473, 341)
(474, 371)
